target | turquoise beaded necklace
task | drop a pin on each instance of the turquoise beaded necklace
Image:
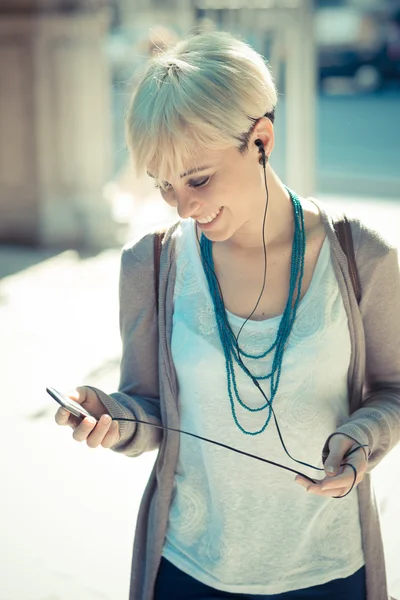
(233, 353)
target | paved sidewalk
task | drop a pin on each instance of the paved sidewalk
(67, 513)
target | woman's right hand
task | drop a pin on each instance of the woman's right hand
(104, 431)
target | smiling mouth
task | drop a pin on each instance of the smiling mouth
(210, 218)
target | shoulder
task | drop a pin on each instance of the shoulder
(139, 251)
(371, 244)
(139, 254)
(370, 241)
(376, 256)
(313, 222)
(375, 251)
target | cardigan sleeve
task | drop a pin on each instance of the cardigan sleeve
(138, 393)
(377, 422)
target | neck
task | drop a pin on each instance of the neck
(279, 219)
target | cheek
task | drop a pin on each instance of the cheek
(245, 193)
(169, 198)
(230, 192)
(237, 197)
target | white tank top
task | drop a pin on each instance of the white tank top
(238, 524)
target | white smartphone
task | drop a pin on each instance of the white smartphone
(73, 407)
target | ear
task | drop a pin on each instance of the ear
(264, 130)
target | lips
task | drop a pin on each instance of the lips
(210, 224)
(209, 218)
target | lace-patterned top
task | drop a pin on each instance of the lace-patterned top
(237, 524)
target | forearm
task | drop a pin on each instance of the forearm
(135, 438)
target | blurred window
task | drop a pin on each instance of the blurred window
(335, 26)
(344, 27)
(163, 3)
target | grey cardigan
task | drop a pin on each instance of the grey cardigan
(148, 387)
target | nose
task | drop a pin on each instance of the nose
(187, 206)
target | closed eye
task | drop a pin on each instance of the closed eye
(165, 186)
(199, 183)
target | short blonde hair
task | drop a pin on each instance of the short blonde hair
(207, 91)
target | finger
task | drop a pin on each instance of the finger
(326, 487)
(61, 416)
(346, 478)
(338, 446)
(302, 481)
(79, 394)
(329, 493)
(99, 432)
(84, 428)
(64, 417)
(356, 464)
(316, 488)
(112, 436)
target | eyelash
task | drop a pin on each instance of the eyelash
(203, 183)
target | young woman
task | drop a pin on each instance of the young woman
(255, 340)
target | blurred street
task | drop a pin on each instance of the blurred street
(67, 513)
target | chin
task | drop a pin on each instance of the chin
(217, 236)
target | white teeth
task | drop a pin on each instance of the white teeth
(210, 217)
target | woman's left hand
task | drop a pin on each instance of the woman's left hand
(338, 480)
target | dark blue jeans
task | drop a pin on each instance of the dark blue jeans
(173, 584)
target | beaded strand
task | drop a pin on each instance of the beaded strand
(232, 351)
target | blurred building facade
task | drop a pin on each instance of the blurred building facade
(142, 10)
(55, 123)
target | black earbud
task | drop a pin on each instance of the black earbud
(264, 157)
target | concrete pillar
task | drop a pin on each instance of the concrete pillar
(300, 95)
(55, 125)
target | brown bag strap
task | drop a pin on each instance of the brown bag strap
(344, 235)
(158, 239)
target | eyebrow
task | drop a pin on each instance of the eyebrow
(187, 173)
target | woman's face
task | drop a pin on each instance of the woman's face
(224, 192)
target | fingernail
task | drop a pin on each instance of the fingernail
(330, 469)
(106, 419)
